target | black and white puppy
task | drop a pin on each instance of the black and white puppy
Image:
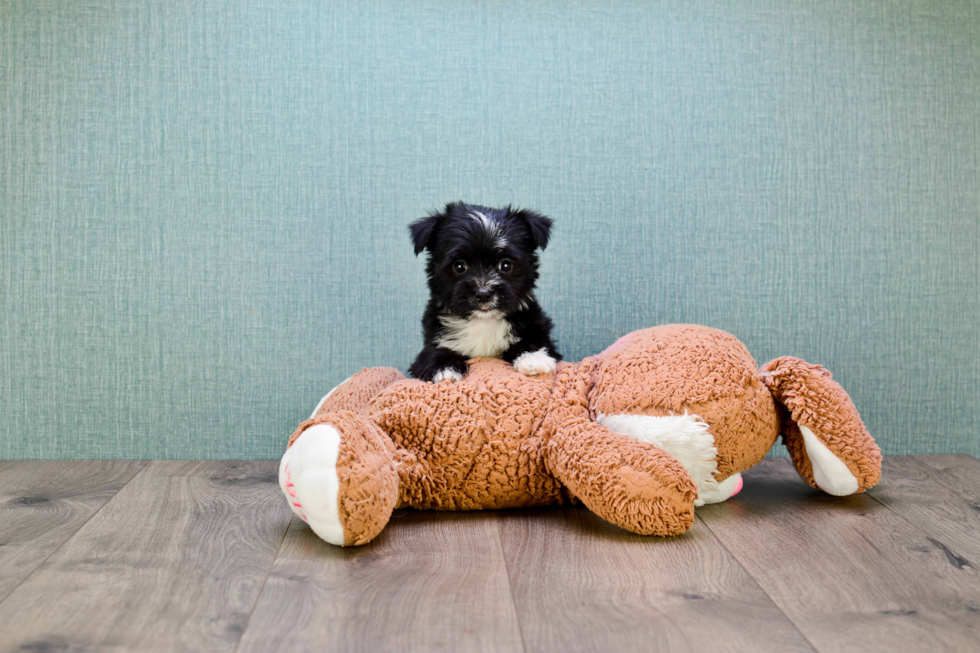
(481, 271)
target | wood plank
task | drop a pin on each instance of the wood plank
(957, 469)
(581, 584)
(175, 561)
(430, 581)
(43, 503)
(850, 573)
(965, 462)
(942, 497)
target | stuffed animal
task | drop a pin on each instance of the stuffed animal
(662, 421)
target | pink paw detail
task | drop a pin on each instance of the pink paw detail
(291, 490)
(738, 488)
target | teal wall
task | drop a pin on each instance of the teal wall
(202, 225)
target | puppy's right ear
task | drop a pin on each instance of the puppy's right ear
(539, 225)
(421, 231)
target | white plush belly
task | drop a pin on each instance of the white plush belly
(686, 438)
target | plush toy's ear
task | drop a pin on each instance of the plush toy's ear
(540, 226)
(421, 231)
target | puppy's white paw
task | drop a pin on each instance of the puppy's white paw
(535, 362)
(447, 374)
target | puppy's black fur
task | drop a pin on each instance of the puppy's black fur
(481, 272)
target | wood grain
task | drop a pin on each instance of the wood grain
(174, 562)
(959, 468)
(581, 584)
(43, 503)
(431, 581)
(940, 495)
(849, 572)
(184, 557)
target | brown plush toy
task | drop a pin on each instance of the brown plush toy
(660, 422)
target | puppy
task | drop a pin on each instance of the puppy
(481, 272)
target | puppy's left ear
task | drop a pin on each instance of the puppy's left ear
(421, 231)
(539, 225)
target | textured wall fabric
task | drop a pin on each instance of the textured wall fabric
(203, 204)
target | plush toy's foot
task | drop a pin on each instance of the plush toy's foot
(724, 490)
(308, 477)
(338, 477)
(824, 434)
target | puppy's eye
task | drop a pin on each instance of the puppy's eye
(459, 266)
(505, 266)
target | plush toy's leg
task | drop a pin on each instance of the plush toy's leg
(630, 483)
(355, 393)
(688, 439)
(822, 430)
(725, 490)
(338, 476)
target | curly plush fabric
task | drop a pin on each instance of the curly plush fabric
(686, 369)
(476, 443)
(624, 481)
(814, 400)
(500, 439)
(355, 393)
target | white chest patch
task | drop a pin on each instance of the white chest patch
(480, 335)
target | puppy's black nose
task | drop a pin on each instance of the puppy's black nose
(484, 295)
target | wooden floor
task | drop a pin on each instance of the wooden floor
(205, 556)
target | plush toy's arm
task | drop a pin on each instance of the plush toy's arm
(822, 430)
(630, 483)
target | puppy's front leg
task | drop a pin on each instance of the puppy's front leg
(533, 356)
(438, 364)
